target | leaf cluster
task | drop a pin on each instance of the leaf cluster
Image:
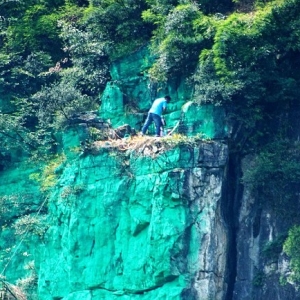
(245, 50)
(291, 247)
(51, 46)
(274, 176)
(39, 92)
(178, 40)
(119, 25)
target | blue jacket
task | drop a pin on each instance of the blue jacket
(158, 106)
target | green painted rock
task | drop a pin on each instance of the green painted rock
(137, 227)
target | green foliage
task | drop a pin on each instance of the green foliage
(14, 70)
(274, 177)
(283, 280)
(242, 66)
(27, 75)
(258, 279)
(291, 247)
(35, 30)
(245, 50)
(50, 173)
(14, 134)
(41, 95)
(119, 24)
(178, 41)
(272, 249)
(55, 104)
(89, 70)
(209, 88)
(256, 75)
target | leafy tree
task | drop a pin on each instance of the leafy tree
(245, 50)
(260, 71)
(274, 175)
(118, 24)
(54, 105)
(179, 39)
(208, 87)
(34, 28)
(291, 247)
(25, 70)
(88, 57)
(15, 135)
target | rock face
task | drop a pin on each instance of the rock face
(261, 265)
(135, 227)
(128, 97)
(168, 224)
(127, 225)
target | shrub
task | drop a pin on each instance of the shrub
(33, 224)
(274, 177)
(119, 24)
(291, 247)
(272, 249)
(50, 173)
(178, 41)
(89, 58)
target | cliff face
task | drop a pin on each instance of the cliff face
(137, 226)
(262, 268)
(145, 222)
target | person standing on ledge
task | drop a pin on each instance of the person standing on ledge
(154, 115)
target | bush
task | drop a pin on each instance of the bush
(291, 247)
(272, 249)
(119, 24)
(55, 104)
(87, 53)
(274, 177)
(178, 41)
(35, 29)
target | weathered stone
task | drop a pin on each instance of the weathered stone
(133, 231)
(257, 274)
(122, 131)
(129, 225)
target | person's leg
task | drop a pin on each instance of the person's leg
(158, 123)
(147, 123)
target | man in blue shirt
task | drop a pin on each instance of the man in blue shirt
(154, 114)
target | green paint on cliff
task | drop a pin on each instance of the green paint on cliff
(206, 119)
(128, 97)
(125, 233)
(20, 200)
(122, 225)
(112, 103)
(128, 94)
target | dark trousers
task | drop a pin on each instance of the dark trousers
(152, 118)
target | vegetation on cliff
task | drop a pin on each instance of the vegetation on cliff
(242, 55)
(54, 57)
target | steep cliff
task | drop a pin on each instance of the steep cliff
(158, 218)
(104, 223)
(133, 226)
